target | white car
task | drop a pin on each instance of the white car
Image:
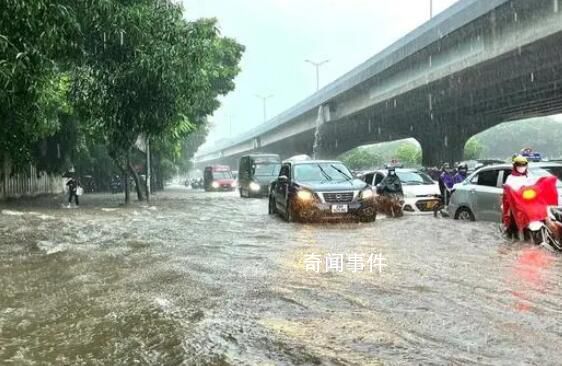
(421, 193)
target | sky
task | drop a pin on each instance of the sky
(279, 35)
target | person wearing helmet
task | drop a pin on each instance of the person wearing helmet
(391, 184)
(519, 174)
(518, 178)
(462, 172)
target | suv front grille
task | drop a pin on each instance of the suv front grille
(338, 197)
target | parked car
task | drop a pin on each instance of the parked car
(421, 193)
(256, 172)
(479, 196)
(474, 165)
(317, 189)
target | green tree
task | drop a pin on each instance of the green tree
(36, 38)
(409, 154)
(149, 72)
(360, 158)
(473, 149)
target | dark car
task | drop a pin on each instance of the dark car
(256, 172)
(317, 189)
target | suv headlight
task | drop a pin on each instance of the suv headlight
(215, 184)
(367, 194)
(305, 195)
(254, 186)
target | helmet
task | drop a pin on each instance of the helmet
(520, 160)
(463, 166)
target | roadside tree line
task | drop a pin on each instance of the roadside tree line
(83, 81)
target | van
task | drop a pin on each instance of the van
(256, 172)
(218, 178)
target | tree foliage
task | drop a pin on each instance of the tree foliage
(106, 72)
(506, 139)
(473, 149)
(36, 38)
(359, 159)
(409, 154)
(149, 72)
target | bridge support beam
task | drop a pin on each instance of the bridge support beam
(443, 147)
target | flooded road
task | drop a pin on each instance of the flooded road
(209, 278)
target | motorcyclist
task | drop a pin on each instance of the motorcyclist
(391, 184)
(518, 178)
(462, 172)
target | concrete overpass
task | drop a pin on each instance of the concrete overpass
(477, 64)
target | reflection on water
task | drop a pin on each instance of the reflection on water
(531, 276)
(209, 278)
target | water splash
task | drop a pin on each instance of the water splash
(317, 132)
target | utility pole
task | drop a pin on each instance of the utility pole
(430, 9)
(264, 99)
(317, 66)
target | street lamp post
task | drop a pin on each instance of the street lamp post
(264, 99)
(430, 9)
(317, 66)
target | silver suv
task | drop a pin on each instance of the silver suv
(479, 196)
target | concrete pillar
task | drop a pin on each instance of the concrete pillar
(442, 147)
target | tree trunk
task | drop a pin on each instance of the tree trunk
(125, 184)
(137, 181)
(160, 181)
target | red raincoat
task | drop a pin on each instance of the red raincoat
(529, 203)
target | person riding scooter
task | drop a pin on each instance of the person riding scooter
(518, 178)
(391, 184)
(390, 194)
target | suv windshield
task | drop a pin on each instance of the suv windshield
(268, 169)
(414, 178)
(317, 172)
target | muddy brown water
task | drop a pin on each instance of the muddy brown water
(210, 279)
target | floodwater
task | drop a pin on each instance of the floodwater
(210, 279)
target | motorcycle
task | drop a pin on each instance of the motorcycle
(390, 205)
(548, 231)
(197, 184)
(535, 212)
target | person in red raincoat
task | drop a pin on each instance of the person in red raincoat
(526, 199)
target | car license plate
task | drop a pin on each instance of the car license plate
(339, 208)
(431, 204)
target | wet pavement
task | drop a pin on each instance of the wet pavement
(210, 279)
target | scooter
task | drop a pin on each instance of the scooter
(389, 204)
(548, 231)
(197, 184)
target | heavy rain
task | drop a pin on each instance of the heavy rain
(280, 182)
